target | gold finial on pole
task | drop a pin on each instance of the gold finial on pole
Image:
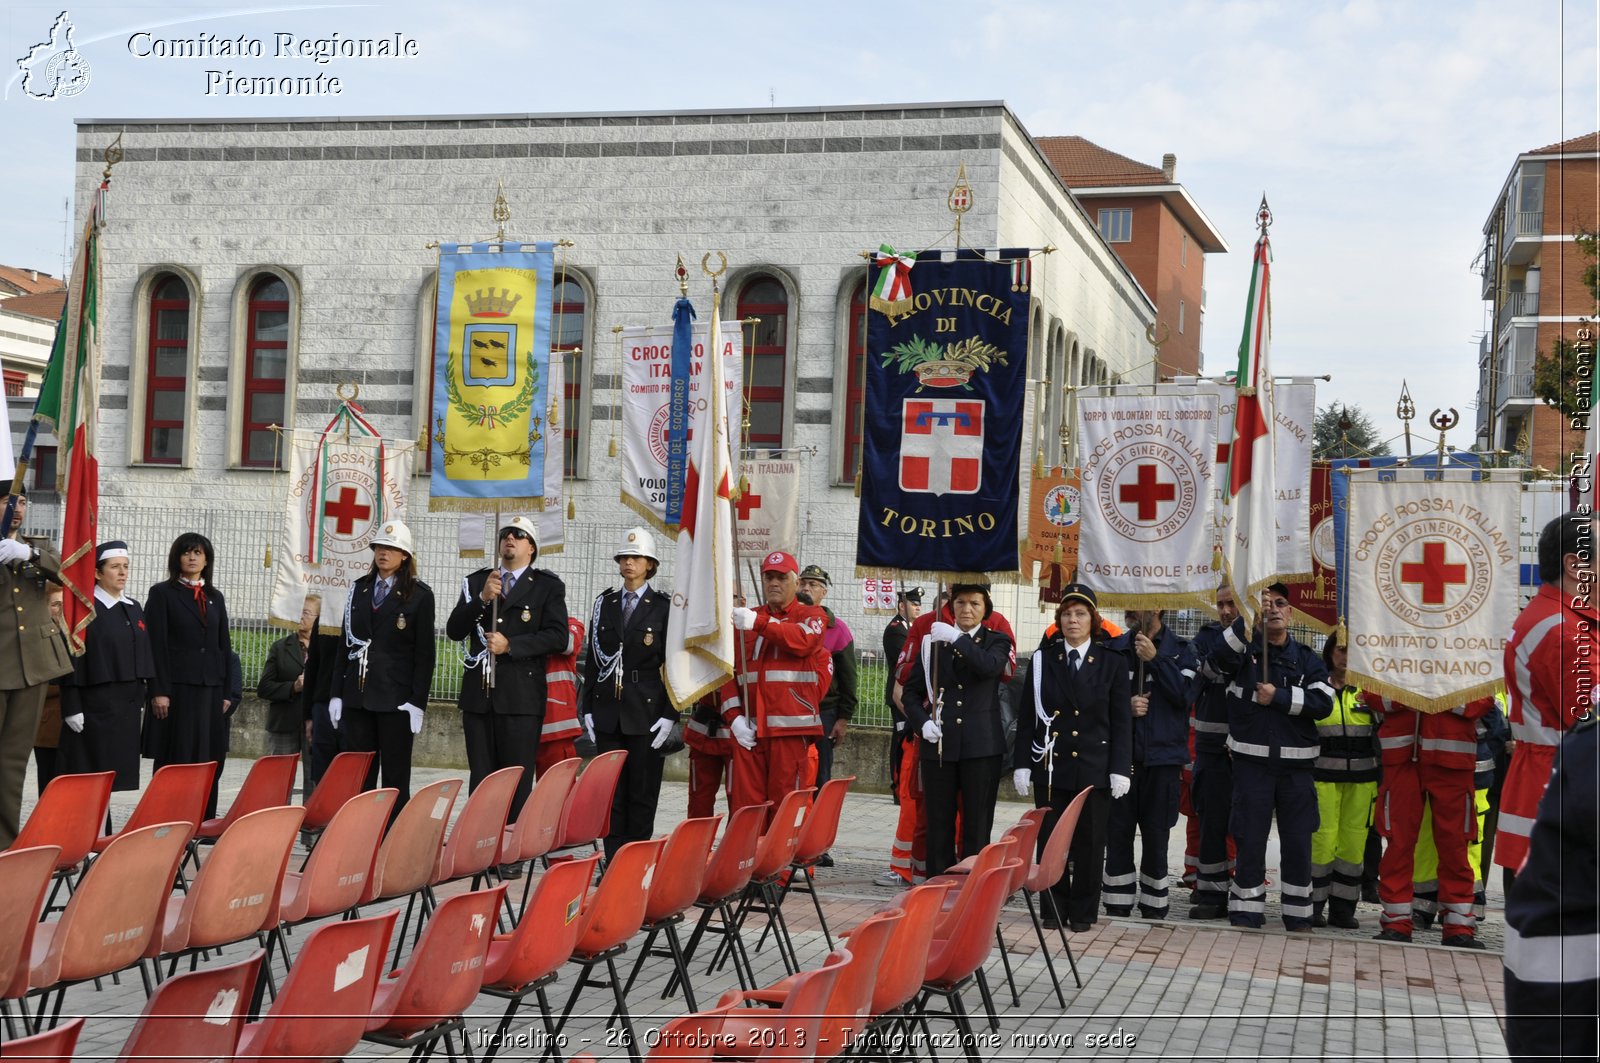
(1263, 216)
(1443, 422)
(501, 212)
(682, 273)
(1405, 410)
(112, 155)
(960, 199)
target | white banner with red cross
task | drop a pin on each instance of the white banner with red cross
(1146, 537)
(766, 515)
(344, 482)
(1433, 568)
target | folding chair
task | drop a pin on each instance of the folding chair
(177, 794)
(955, 961)
(673, 891)
(1041, 880)
(69, 815)
(346, 776)
(586, 814)
(772, 861)
(817, 835)
(534, 832)
(474, 843)
(727, 874)
(24, 877)
(905, 961)
(410, 851)
(269, 784)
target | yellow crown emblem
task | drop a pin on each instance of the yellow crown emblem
(486, 302)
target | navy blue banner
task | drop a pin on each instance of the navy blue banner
(678, 408)
(946, 381)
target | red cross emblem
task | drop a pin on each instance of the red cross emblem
(1432, 574)
(749, 502)
(345, 511)
(1146, 491)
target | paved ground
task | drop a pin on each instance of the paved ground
(1171, 990)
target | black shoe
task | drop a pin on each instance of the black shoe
(1156, 914)
(1319, 919)
(1208, 911)
(825, 860)
(1462, 941)
(1302, 928)
(1049, 922)
(1344, 921)
(1421, 921)
(1391, 935)
(1370, 894)
(1119, 912)
(510, 871)
(1078, 928)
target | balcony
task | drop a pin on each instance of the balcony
(1521, 304)
(1516, 387)
(1525, 235)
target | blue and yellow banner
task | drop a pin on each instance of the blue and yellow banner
(947, 353)
(489, 427)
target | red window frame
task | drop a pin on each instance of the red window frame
(157, 384)
(254, 385)
(855, 384)
(15, 381)
(769, 394)
(572, 365)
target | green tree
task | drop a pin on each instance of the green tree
(1345, 431)
(1562, 375)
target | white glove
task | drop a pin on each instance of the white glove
(931, 732)
(75, 721)
(942, 632)
(661, 728)
(1119, 786)
(335, 711)
(588, 726)
(14, 550)
(744, 732)
(1022, 779)
(744, 619)
(416, 716)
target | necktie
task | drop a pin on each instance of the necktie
(507, 581)
(199, 590)
(629, 600)
(380, 591)
(1073, 659)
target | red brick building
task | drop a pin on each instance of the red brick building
(1158, 231)
(1532, 279)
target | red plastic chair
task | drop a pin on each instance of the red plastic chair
(817, 835)
(474, 843)
(52, 1046)
(727, 875)
(114, 918)
(322, 1010)
(534, 832)
(270, 784)
(1041, 879)
(791, 1032)
(418, 1006)
(845, 1015)
(24, 877)
(346, 776)
(177, 793)
(773, 855)
(905, 961)
(235, 895)
(409, 854)
(586, 815)
(528, 959)
(200, 1014)
(335, 877)
(612, 914)
(69, 815)
(1024, 837)
(691, 1038)
(955, 961)
(673, 891)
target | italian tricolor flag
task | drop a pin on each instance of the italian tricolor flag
(1250, 535)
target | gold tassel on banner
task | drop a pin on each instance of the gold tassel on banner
(1216, 557)
(1341, 634)
(1057, 555)
(1322, 586)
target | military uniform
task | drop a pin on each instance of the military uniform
(32, 652)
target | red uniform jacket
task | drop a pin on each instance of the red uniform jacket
(1441, 739)
(787, 670)
(561, 688)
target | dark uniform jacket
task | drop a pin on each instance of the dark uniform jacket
(971, 671)
(116, 649)
(1089, 734)
(286, 660)
(188, 649)
(31, 649)
(641, 699)
(894, 638)
(1208, 692)
(400, 652)
(1283, 733)
(1161, 735)
(533, 618)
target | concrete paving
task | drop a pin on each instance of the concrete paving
(1169, 990)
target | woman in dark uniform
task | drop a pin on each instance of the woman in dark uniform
(952, 703)
(102, 702)
(381, 680)
(188, 624)
(1080, 733)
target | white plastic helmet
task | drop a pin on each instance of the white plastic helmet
(637, 542)
(394, 533)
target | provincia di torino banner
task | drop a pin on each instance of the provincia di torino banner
(1432, 579)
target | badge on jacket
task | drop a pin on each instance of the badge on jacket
(527, 614)
(400, 622)
(649, 637)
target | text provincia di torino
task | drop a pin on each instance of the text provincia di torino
(318, 50)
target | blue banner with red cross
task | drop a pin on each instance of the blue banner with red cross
(942, 424)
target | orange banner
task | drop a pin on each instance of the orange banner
(1053, 521)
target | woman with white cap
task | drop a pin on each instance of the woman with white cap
(624, 703)
(102, 701)
(381, 682)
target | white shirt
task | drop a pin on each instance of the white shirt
(104, 597)
(1082, 648)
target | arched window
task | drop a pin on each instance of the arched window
(855, 367)
(166, 371)
(766, 358)
(266, 368)
(568, 338)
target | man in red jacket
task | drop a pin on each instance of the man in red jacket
(772, 707)
(559, 736)
(1552, 668)
(1428, 762)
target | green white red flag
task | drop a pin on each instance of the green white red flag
(1250, 532)
(69, 403)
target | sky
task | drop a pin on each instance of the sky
(1381, 133)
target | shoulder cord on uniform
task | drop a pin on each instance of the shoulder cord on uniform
(1044, 750)
(355, 644)
(608, 665)
(468, 659)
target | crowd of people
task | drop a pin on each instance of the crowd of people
(1240, 727)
